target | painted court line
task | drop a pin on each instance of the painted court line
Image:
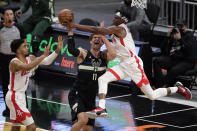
(166, 113)
(176, 100)
(118, 96)
(158, 123)
(47, 101)
(189, 126)
(68, 104)
(166, 124)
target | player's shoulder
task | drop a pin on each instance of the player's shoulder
(14, 61)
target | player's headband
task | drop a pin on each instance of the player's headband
(122, 17)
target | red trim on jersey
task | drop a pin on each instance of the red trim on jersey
(20, 114)
(131, 53)
(12, 81)
(122, 42)
(114, 73)
(144, 79)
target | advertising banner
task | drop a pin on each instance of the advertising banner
(65, 62)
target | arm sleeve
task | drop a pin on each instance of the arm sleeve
(71, 47)
(25, 6)
(48, 60)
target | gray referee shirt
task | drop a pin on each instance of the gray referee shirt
(7, 35)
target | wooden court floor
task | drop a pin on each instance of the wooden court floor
(7, 127)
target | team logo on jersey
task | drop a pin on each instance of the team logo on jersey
(19, 113)
(96, 63)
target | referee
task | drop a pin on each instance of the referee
(9, 30)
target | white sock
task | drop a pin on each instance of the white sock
(102, 103)
(173, 89)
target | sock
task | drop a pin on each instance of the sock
(102, 103)
(173, 89)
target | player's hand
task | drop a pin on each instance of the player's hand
(18, 13)
(69, 25)
(60, 44)
(47, 50)
(102, 24)
(102, 37)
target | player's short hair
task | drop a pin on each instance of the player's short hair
(123, 14)
(16, 44)
(92, 35)
(4, 10)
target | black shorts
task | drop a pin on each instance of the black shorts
(78, 104)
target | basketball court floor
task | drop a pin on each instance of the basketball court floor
(48, 103)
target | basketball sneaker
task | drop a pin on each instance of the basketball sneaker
(184, 91)
(98, 112)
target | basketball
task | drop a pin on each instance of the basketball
(65, 15)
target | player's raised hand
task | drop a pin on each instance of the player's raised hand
(60, 44)
(69, 25)
(102, 24)
(47, 50)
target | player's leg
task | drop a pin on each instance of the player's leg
(78, 110)
(31, 127)
(28, 122)
(139, 77)
(87, 128)
(15, 127)
(113, 74)
(89, 106)
(82, 121)
(160, 92)
(18, 110)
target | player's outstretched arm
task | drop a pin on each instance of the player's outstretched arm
(116, 30)
(87, 28)
(110, 53)
(49, 59)
(79, 53)
(17, 65)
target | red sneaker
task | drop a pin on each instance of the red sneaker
(98, 112)
(184, 91)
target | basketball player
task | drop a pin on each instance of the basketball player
(130, 64)
(91, 65)
(20, 71)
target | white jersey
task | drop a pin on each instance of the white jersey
(19, 80)
(124, 47)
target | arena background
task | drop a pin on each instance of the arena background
(47, 94)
